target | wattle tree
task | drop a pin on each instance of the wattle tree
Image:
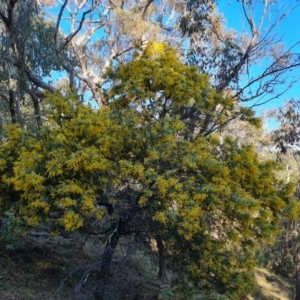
(150, 163)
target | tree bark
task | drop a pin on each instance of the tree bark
(297, 297)
(37, 110)
(286, 241)
(106, 262)
(12, 108)
(162, 273)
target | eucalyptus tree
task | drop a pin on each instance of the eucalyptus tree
(106, 33)
(254, 63)
(82, 39)
(286, 138)
(27, 58)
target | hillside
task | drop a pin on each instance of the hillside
(37, 270)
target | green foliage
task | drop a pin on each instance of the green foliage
(43, 30)
(144, 163)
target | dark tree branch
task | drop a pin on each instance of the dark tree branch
(36, 105)
(146, 7)
(11, 5)
(58, 21)
(34, 79)
(73, 34)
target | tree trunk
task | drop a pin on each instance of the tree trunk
(286, 240)
(162, 273)
(12, 108)
(297, 287)
(106, 262)
(37, 111)
(298, 273)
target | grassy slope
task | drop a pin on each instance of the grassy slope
(272, 287)
(29, 275)
(35, 273)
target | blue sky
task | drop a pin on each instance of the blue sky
(289, 30)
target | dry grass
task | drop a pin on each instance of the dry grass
(51, 270)
(36, 273)
(272, 287)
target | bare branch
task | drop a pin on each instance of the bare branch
(73, 34)
(148, 3)
(58, 21)
(249, 17)
(86, 37)
(40, 83)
